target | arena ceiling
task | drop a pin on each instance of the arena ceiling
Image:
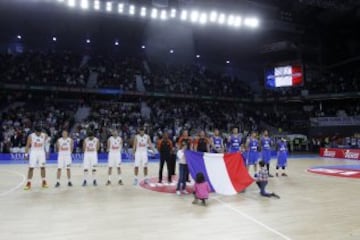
(298, 22)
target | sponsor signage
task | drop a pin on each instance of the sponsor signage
(340, 153)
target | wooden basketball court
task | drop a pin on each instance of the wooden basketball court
(311, 207)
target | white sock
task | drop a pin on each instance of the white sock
(86, 176)
(119, 176)
(109, 177)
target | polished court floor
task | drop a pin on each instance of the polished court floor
(311, 207)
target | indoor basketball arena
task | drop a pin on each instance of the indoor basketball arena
(179, 119)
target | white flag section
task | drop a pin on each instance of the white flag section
(283, 76)
(216, 170)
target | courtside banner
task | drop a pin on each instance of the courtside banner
(353, 154)
(225, 172)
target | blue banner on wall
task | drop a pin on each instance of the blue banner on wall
(76, 157)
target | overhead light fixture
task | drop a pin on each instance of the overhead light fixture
(84, 4)
(88, 41)
(163, 15)
(251, 22)
(221, 19)
(54, 39)
(194, 16)
(183, 16)
(71, 3)
(173, 13)
(154, 13)
(19, 37)
(97, 5)
(132, 10)
(143, 46)
(116, 43)
(213, 16)
(143, 12)
(108, 6)
(231, 20)
(237, 21)
(197, 56)
(203, 18)
(171, 51)
(120, 8)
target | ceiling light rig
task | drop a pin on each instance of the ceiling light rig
(192, 16)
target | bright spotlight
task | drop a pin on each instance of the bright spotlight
(231, 20)
(97, 5)
(54, 39)
(213, 16)
(163, 15)
(227, 61)
(194, 16)
(108, 6)
(71, 3)
(197, 56)
(131, 9)
(154, 13)
(173, 13)
(203, 18)
(143, 12)
(120, 8)
(237, 21)
(116, 43)
(221, 19)
(88, 41)
(183, 16)
(143, 47)
(84, 4)
(251, 22)
(19, 37)
(171, 51)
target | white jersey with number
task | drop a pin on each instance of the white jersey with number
(91, 145)
(142, 142)
(38, 142)
(115, 144)
(64, 145)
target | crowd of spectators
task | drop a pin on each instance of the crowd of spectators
(18, 121)
(67, 68)
(44, 68)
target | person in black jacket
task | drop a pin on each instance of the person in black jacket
(165, 148)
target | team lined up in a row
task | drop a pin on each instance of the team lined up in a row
(36, 142)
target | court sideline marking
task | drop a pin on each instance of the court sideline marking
(17, 186)
(252, 219)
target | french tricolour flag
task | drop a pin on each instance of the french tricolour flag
(285, 76)
(226, 173)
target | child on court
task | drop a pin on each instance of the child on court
(183, 169)
(262, 181)
(201, 189)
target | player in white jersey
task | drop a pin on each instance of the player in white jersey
(141, 144)
(90, 147)
(35, 151)
(64, 146)
(114, 147)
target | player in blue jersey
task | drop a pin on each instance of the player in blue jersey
(282, 157)
(252, 146)
(234, 142)
(266, 150)
(217, 143)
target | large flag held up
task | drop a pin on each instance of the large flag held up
(225, 172)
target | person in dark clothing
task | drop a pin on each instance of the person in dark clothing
(165, 148)
(202, 144)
